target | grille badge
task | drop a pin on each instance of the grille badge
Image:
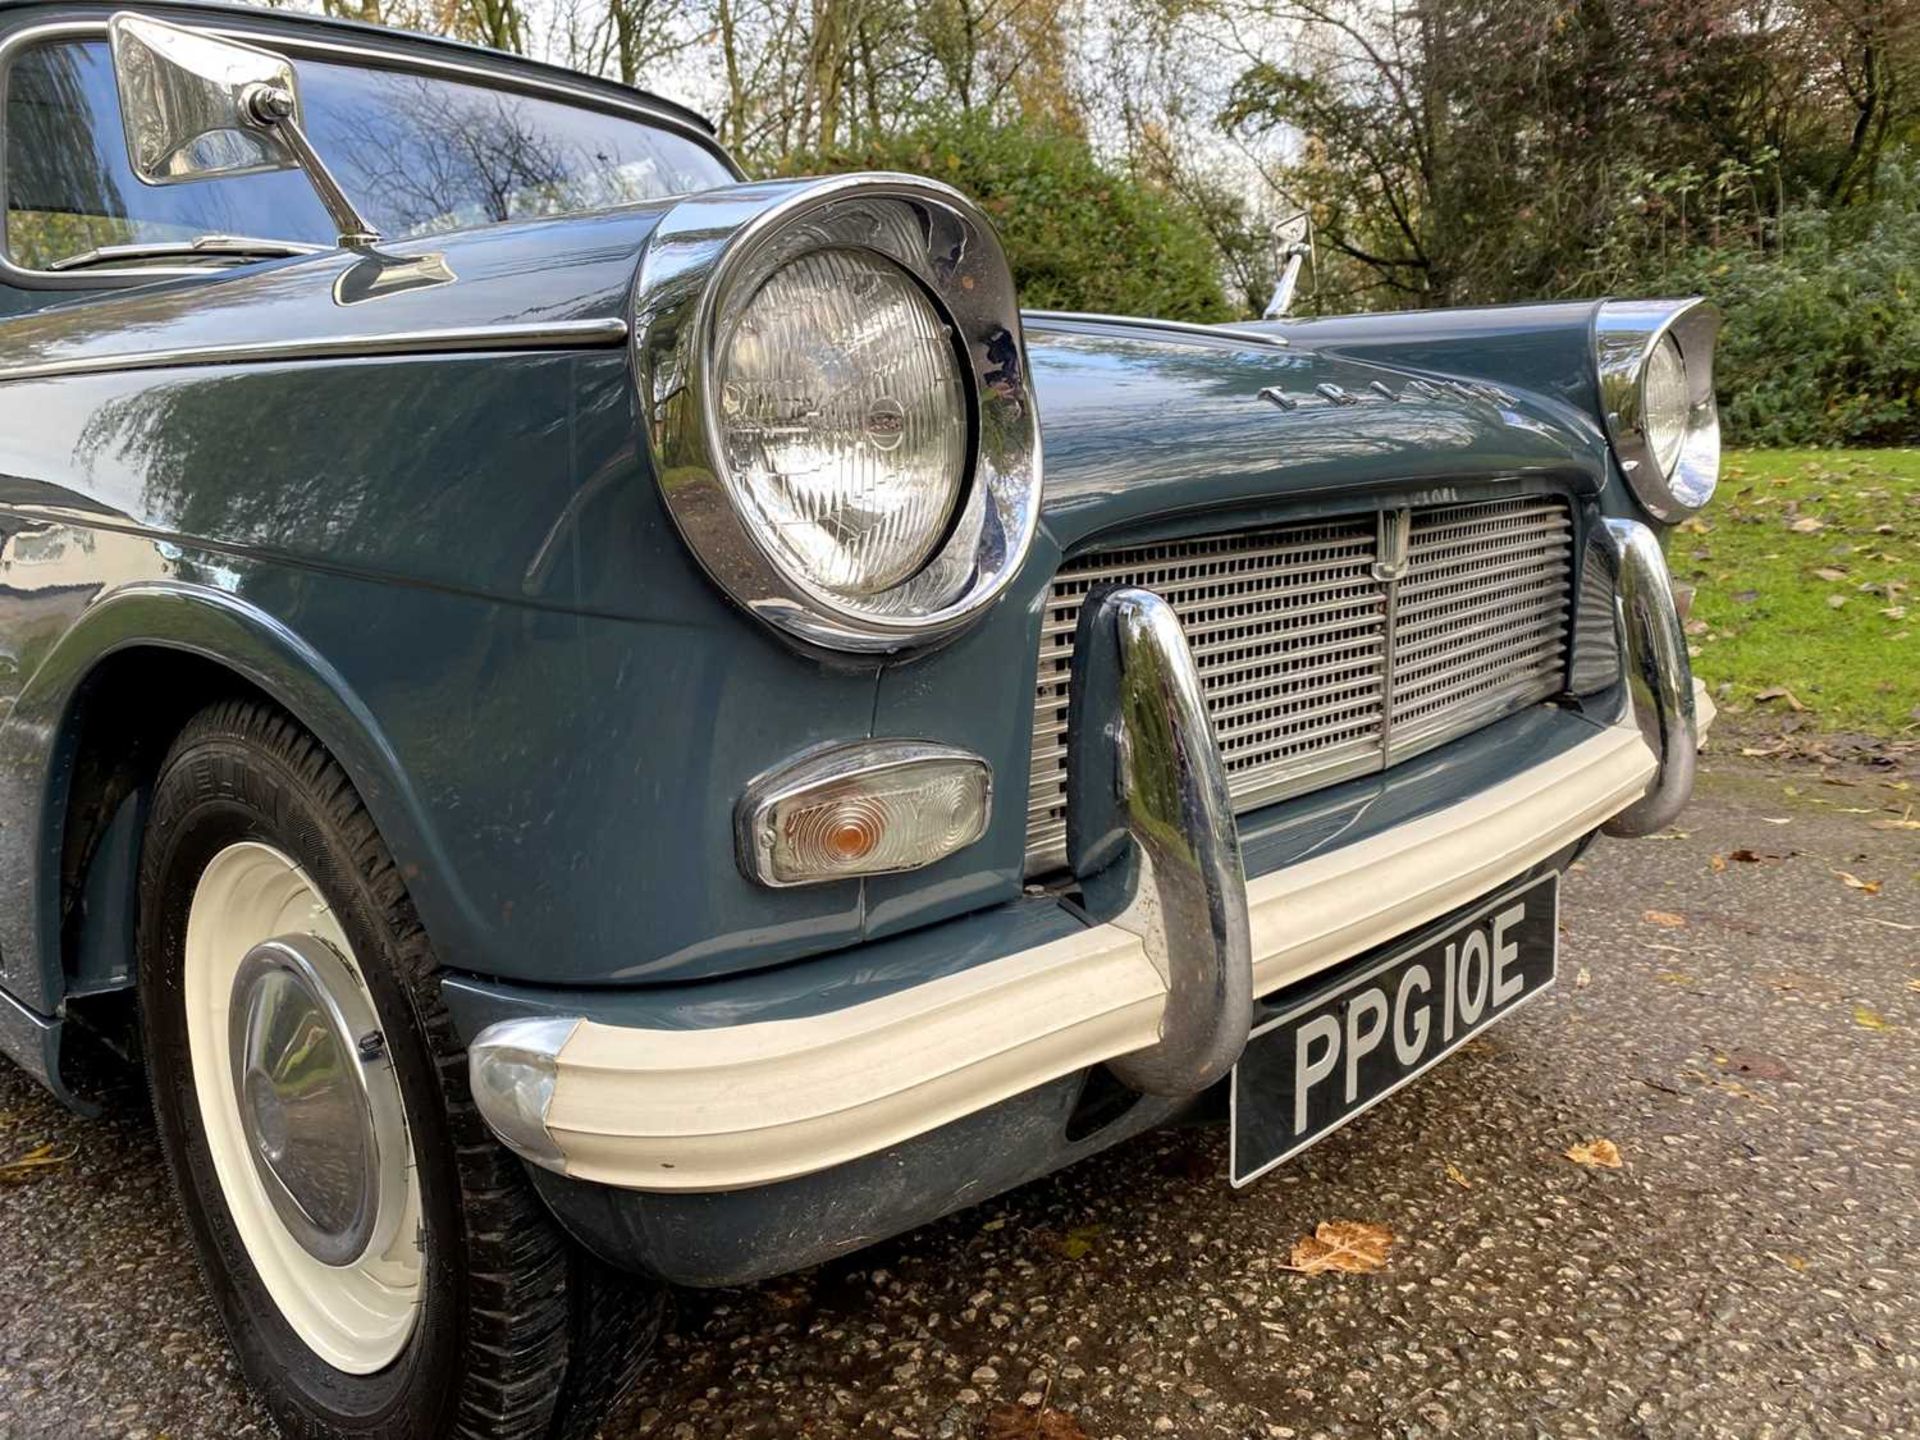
(1396, 528)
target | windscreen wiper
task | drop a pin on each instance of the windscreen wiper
(219, 248)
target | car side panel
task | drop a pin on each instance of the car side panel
(457, 569)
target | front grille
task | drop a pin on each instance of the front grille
(1313, 669)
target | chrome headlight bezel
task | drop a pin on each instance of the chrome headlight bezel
(1626, 335)
(707, 257)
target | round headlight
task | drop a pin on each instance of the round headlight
(838, 409)
(1667, 403)
(843, 419)
(1655, 363)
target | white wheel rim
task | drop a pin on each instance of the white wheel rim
(356, 1315)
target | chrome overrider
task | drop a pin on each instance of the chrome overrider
(1151, 834)
(1658, 675)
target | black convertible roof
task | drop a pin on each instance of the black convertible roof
(256, 15)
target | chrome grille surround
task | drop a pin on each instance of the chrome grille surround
(1314, 668)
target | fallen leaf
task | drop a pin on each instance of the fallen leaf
(1599, 1154)
(1905, 822)
(1455, 1174)
(1868, 1020)
(1078, 1243)
(1674, 977)
(1834, 602)
(1890, 924)
(41, 1157)
(1018, 1422)
(1662, 917)
(1718, 863)
(1734, 1087)
(1807, 525)
(1854, 882)
(1780, 692)
(1913, 984)
(1830, 575)
(1792, 1262)
(1814, 987)
(1753, 857)
(1583, 979)
(1758, 1064)
(1351, 1247)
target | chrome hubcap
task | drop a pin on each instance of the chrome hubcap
(319, 1106)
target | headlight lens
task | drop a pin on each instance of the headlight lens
(843, 418)
(1667, 403)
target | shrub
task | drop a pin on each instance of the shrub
(1822, 337)
(1079, 236)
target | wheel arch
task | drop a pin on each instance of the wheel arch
(90, 730)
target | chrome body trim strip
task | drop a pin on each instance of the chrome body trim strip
(1147, 322)
(546, 335)
(1660, 692)
(1151, 835)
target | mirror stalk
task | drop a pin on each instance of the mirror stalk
(1293, 253)
(1289, 281)
(272, 108)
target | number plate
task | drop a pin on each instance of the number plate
(1309, 1071)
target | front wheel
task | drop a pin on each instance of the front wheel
(379, 1261)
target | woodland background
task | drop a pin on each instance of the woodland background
(1138, 154)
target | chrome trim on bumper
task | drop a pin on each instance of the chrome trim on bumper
(1151, 835)
(1659, 677)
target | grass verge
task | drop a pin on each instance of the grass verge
(1806, 564)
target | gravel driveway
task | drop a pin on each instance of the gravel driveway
(1742, 1029)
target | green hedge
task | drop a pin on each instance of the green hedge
(1079, 236)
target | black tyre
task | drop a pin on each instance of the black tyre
(380, 1262)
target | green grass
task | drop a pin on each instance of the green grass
(1807, 563)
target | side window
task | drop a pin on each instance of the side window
(61, 198)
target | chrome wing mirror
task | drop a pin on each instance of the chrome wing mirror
(1292, 252)
(197, 107)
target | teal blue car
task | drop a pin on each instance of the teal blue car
(595, 724)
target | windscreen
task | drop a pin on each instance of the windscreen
(417, 153)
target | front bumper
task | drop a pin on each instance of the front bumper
(720, 1109)
(1161, 994)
